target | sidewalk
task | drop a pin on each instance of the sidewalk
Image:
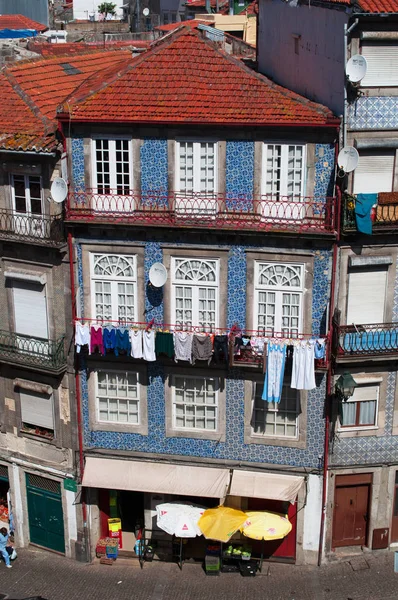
(37, 572)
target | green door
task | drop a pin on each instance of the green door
(46, 521)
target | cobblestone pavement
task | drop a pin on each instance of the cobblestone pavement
(57, 578)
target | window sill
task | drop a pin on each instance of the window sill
(201, 434)
(275, 441)
(361, 428)
(37, 437)
(140, 429)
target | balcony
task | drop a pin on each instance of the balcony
(380, 339)
(33, 353)
(315, 215)
(36, 229)
(385, 217)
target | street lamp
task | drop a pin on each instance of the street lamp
(345, 386)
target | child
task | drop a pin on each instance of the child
(3, 544)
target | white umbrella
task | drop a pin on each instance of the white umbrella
(179, 519)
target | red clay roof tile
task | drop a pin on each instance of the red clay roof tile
(20, 22)
(379, 6)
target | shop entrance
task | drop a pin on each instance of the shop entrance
(351, 510)
(4, 488)
(46, 521)
(285, 549)
(128, 506)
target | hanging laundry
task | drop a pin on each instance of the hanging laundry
(164, 344)
(320, 349)
(258, 343)
(135, 336)
(183, 346)
(82, 336)
(220, 347)
(303, 368)
(96, 340)
(148, 345)
(273, 380)
(363, 212)
(109, 336)
(202, 348)
(122, 341)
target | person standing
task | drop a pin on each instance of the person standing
(3, 544)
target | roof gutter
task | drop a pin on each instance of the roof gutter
(30, 152)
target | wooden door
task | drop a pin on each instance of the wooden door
(46, 521)
(277, 549)
(351, 510)
(394, 520)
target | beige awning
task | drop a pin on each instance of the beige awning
(250, 484)
(152, 477)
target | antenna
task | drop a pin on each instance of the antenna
(157, 275)
(347, 160)
(356, 68)
(59, 190)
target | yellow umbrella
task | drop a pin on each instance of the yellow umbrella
(221, 523)
(266, 526)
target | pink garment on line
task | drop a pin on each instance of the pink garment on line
(96, 340)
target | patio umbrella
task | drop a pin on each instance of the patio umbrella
(179, 519)
(266, 526)
(221, 523)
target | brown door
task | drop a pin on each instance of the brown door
(351, 506)
(394, 521)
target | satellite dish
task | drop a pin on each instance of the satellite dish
(145, 12)
(59, 190)
(157, 275)
(356, 68)
(348, 159)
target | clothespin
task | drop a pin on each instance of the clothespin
(150, 324)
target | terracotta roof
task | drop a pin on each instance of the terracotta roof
(20, 22)
(378, 6)
(192, 23)
(73, 48)
(186, 79)
(30, 93)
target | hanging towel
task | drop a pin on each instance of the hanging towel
(183, 346)
(320, 349)
(202, 348)
(363, 208)
(164, 344)
(303, 368)
(136, 343)
(122, 341)
(96, 340)
(82, 336)
(273, 380)
(148, 345)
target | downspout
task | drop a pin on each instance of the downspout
(329, 375)
(347, 31)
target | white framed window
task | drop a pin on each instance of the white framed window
(27, 194)
(196, 167)
(270, 419)
(195, 403)
(114, 287)
(195, 293)
(118, 397)
(360, 411)
(382, 64)
(112, 165)
(283, 170)
(278, 298)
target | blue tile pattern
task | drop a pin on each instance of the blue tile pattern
(80, 279)
(153, 296)
(78, 164)
(374, 112)
(236, 287)
(321, 290)
(370, 449)
(239, 175)
(154, 171)
(324, 170)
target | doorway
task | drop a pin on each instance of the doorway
(351, 510)
(46, 521)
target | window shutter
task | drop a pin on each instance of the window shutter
(365, 393)
(382, 62)
(30, 309)
(374, 173)
(366, 295)
(37, 409)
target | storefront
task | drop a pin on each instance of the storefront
(5, 504)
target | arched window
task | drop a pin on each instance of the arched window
(114, 287)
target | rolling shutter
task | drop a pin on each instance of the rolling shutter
(366, 295)
(382, 62)
(374, 173)
(30, 308)
(37, 409)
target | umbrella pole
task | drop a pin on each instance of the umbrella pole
(180, 564)
(262, 556)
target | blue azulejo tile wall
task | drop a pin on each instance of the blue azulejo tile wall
(374, 112)
(239, 175)
(77, 147)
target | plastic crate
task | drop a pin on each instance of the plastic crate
(112, 552)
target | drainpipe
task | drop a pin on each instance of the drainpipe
(347, 31)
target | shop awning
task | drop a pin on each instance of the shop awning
(252, 484)
(152, 477)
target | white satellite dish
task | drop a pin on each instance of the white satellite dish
(356, 68)
(145, 12)
(348, 159)
(59, 190)
(157, 275)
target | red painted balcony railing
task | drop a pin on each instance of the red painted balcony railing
(378, 339)
(175, 209)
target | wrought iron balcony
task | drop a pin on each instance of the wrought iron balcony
(384, 216)
(220, 211)
(379, 339)
(37, 229)
(31, 352)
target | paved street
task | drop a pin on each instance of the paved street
(56, 578)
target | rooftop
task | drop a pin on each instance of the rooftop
(20, 22)
(47, 49)
(378, 6)
(187, 79)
